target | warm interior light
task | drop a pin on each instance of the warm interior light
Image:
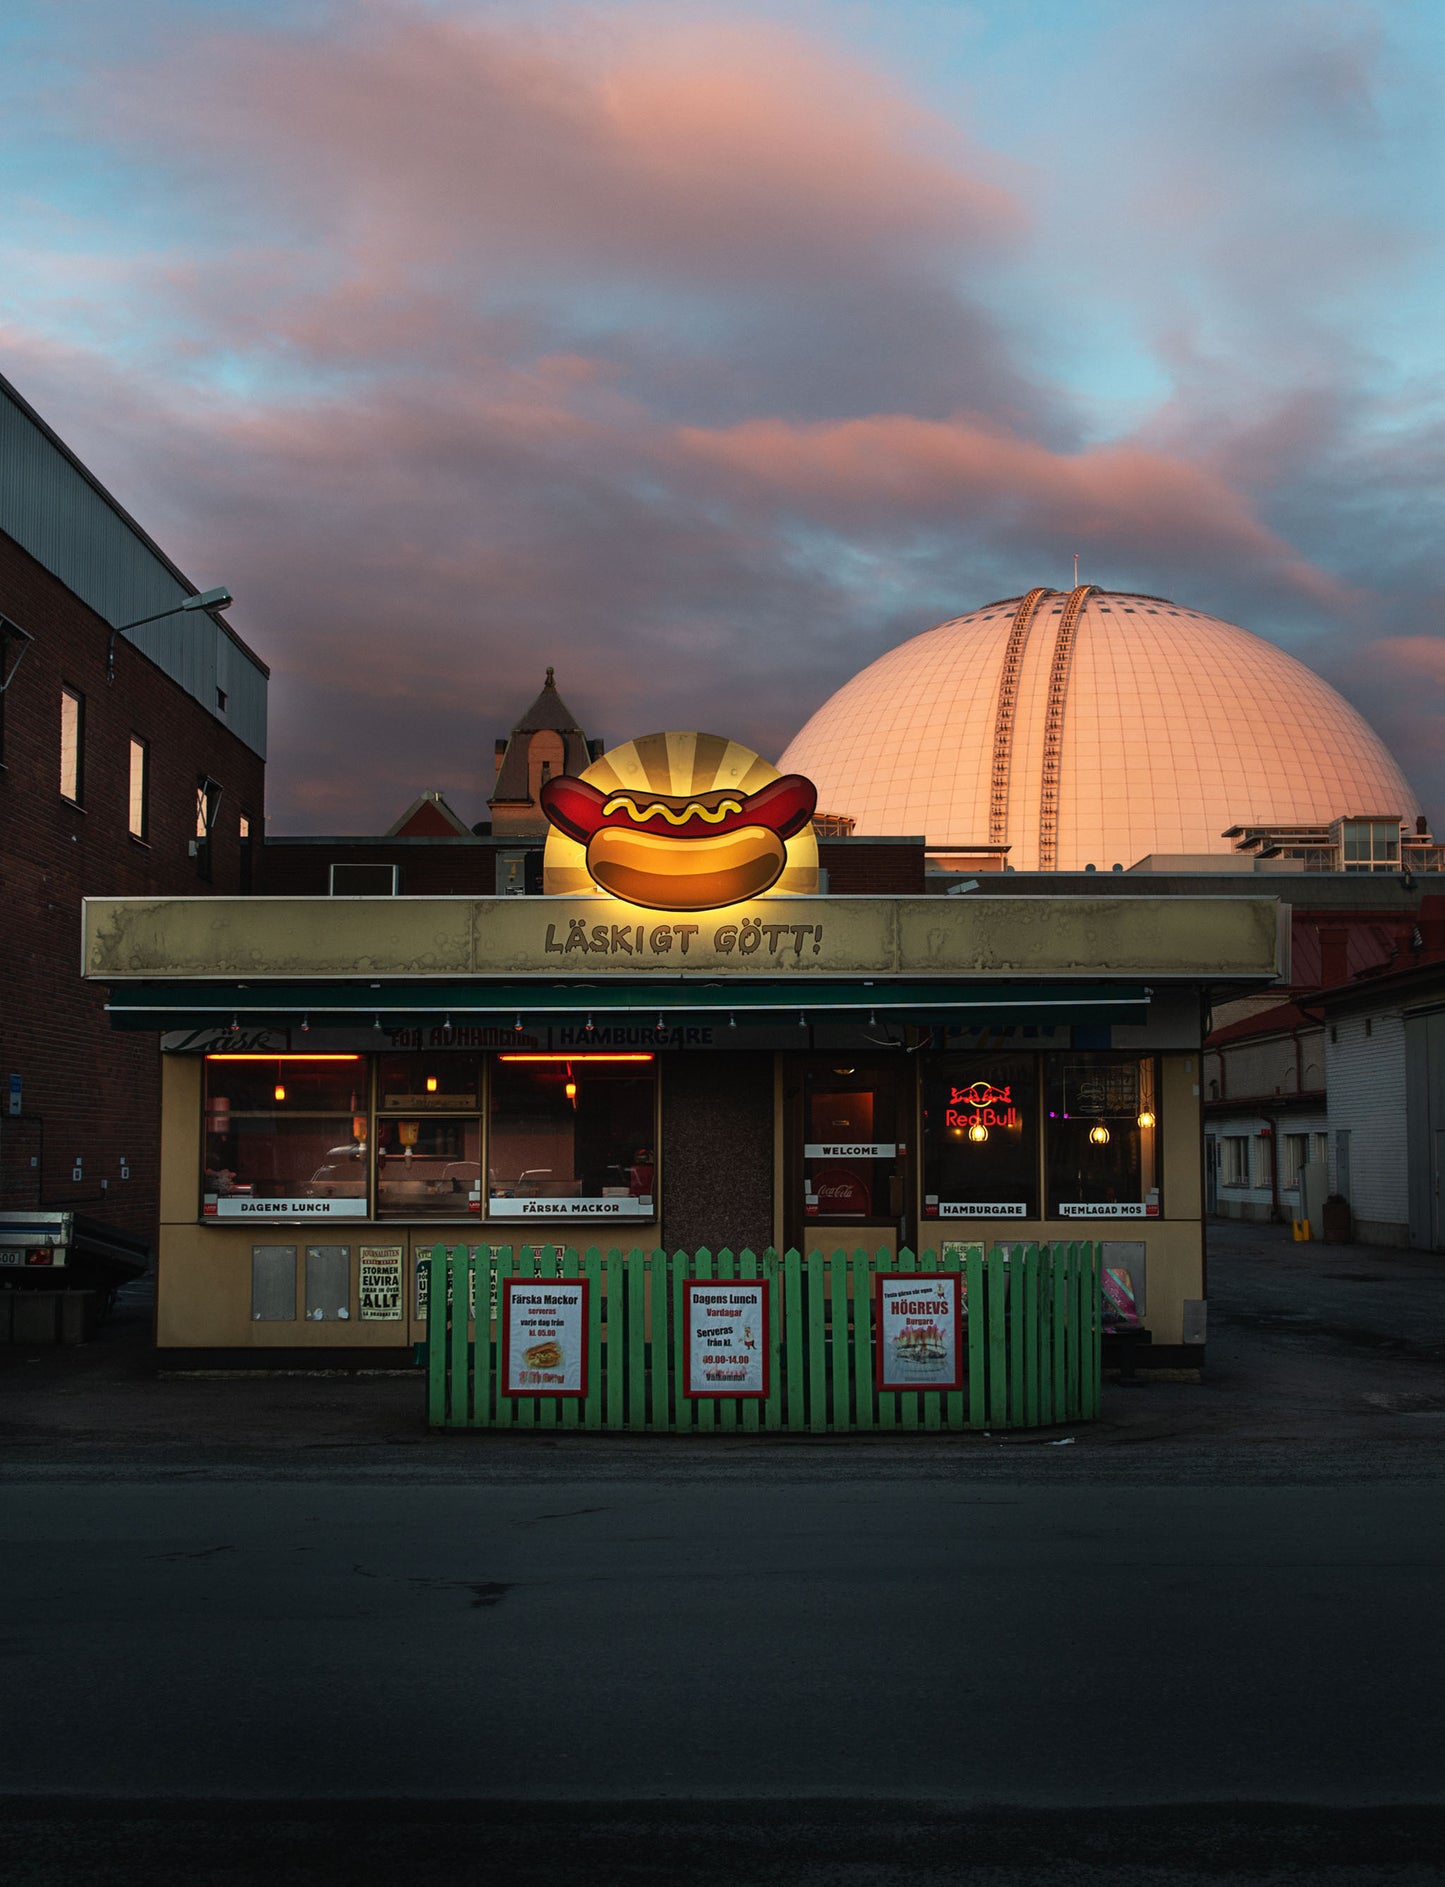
(1099, 1135)
(283, 1058)
(1146, 1118)
(431, 1084)
(978, 1133)
(358, 1126)
(278, 1092)
(584, 1058)
(571, 1090)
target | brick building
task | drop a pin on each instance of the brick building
(131, 764)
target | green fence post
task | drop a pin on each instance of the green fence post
(953, 1399)
(880, 1264)
(727, 1408)
(773, 1408)
(459, 1275)
(1016, 1322)
(661, 1342)
(997, 1338)
(840, 1414)
(1061, 1335)
(483, 1367)
(976, 1309)
(814, 1275)
(793, 1337)
(703, 1410)
(636, 1271)
(436, 1346)
(748, 1267)
(614, 1367)
(1027, 1281)
(1096, 1332)
(864, 1389)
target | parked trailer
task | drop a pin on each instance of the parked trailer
(58, 1272)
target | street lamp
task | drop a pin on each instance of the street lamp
(219, 598)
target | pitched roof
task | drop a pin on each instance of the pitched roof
(549, 713)
(429, 817)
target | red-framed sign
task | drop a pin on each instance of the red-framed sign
(544, 1337)
(725, 1337)
(918, 1325)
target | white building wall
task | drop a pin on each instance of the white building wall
(1254, 1199)
(1365, 1075)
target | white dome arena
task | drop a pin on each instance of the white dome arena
(1091, 728)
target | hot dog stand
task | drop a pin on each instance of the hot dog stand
(350, 1082)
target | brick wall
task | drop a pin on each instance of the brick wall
(427, 868)
(879, 868)
(89, 1091)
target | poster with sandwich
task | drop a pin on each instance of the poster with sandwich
(544, 1337)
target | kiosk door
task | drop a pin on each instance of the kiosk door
(851, 1132)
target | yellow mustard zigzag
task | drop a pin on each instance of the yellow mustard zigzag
(712, 815)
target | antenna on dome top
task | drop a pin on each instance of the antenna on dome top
(1076, 569)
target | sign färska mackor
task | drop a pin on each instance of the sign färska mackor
(725, 1337)
(378, 1283)
(544, 1336)
(918, 1326)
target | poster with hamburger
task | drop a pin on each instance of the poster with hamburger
(544, 1337)
(680, 822)
(918, 1330)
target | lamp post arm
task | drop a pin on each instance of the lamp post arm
(207, 600)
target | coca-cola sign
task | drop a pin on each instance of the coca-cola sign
(839, 1193)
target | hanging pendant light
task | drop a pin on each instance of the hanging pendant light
(1099, 1135)
(978, 1133)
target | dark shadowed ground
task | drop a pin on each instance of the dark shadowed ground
(272, 1630)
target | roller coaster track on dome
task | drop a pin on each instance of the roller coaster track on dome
(1003, 726)
(1058, 700)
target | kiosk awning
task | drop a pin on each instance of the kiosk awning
(332, 1004)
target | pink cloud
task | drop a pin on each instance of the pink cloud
(1125, 497)
(690, 150)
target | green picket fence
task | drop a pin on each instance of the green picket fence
(1031, 1340)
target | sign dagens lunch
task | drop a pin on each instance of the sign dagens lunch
(725, 1339)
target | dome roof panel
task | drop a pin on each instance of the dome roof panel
(1175, 726)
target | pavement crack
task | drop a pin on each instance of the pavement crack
(204, 1552)
(570, 1513)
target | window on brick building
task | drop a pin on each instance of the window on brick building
(208, 805)
(140, 786)
(72, 744)
(1236, 1160)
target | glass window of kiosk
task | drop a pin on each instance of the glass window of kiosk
(572, 1136)
(852, 1157)
(980, 1137)
(428, 1136)
(1101, 1136)
(285, 1127)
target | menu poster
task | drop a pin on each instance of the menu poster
(544, 1337)
(919, 1330)
(379, 1283)
(725, 1337)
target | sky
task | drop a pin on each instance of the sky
(706, 351)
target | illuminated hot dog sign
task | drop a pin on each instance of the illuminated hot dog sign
(981, 1105)
(680, 822)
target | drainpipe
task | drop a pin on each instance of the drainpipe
(1276, 1217)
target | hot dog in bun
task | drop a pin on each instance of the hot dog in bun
(670, 853)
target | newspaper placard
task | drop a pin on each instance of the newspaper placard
(919, 1330)
(725, 1337)
(378, 1283)
(544, 1336)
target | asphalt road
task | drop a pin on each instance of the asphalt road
(274, 1631)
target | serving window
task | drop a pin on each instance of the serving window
(1101, 1136)
(572, 1136)
(285, 1133)
(980, 1137)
